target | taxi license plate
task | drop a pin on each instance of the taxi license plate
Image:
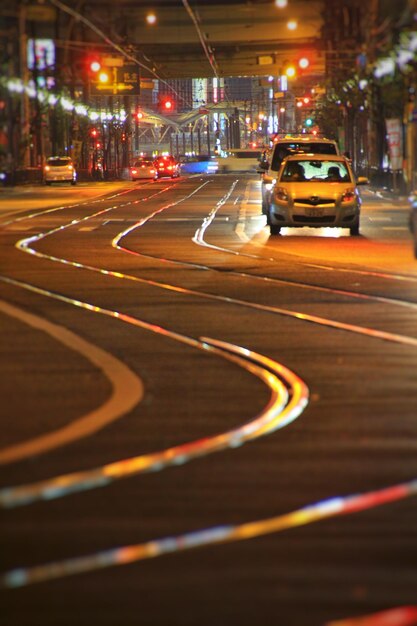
(314, 212)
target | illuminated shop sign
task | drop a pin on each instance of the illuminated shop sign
(41, 54)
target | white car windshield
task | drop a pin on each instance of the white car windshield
(319, 171)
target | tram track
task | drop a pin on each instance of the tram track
(27, 494)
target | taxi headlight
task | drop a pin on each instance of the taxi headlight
(281, 194)
(348, 195)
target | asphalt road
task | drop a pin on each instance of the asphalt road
(202, 424)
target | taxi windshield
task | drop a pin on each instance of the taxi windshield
(319, 171)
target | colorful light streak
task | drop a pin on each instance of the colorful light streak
(401, 616)
(310, 514)
(307, 515)
(279, 412)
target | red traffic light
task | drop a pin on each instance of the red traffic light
(304, 63)
(93, 132)
(139, 115)
(166, 104)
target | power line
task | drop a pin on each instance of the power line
(78, 16)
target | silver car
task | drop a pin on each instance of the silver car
(315, 190)
(59, 169)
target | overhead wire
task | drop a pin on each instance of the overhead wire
(127, 55)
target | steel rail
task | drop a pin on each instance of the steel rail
(281, 410)
(25, 245)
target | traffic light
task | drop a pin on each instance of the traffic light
(290, 71)
(166, 105)
(95, 66)
(308, 122)
(139, 115)
(93, 133)
(103, 76)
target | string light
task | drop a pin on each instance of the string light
(17, 86)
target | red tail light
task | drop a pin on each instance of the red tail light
(134, 171)
(169, 167)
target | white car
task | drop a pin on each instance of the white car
(240, 160)
(144, 168)
(59, 169)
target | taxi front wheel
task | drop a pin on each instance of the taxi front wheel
(274, 229)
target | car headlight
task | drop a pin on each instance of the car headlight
(413, 201)
(348, 195)
(281, 194)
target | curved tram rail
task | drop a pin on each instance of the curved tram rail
(289, 397)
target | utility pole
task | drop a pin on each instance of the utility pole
(24, 73)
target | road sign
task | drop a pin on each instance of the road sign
(40, 13)
(113, 61)
(125, 80)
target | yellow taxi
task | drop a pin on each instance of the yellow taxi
(317, 190)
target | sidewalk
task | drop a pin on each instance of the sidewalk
(387, 194)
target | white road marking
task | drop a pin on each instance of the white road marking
(127, 390)
(240, 228)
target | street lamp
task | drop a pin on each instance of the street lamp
(151, 19)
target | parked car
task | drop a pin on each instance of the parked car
(283, 147)
(413, 220)
(166, 166)
(59, 169)
(240, 160)
(315, 190)
(144, 168)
